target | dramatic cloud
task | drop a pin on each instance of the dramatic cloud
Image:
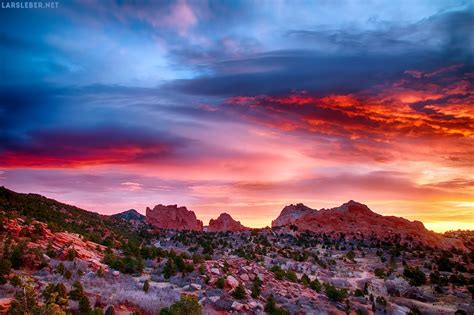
(87, 147)
(242, 106)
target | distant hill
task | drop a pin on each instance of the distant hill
(130, 215)
(59, 216)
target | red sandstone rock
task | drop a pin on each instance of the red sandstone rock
(291, 213)
(353, 218)
(173, 217)
(225, 223)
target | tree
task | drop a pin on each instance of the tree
(16, 258)
(55, 294)
(25, 301)
(5, 268)
(110, 310)
(239, 292)
(256, 287)
(77, 291)
(146, 286)
(169, 269)
(84, 305)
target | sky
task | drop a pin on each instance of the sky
(242, 106)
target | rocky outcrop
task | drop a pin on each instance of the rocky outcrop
(357, 220)
(225, 223)
(173, 217)
(291, 213)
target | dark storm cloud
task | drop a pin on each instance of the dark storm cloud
(341, 61)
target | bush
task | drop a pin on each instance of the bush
(55, 294)
(334, 293)
(185, 306)
(315, 285)
(5, 268)
(146, 286)
(358, 293)
(278, 272)
(84, 305)
(415, 276)
(272, 309)
(77, 291)
(239, 292)
(379, 273)
(169, 269)
(291, 275)
(220, 283)
(110, 310)
(256, 287)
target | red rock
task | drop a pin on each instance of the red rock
(291, 213)
(173, 217)
(231, 282)
(356, 218)
(225, 223)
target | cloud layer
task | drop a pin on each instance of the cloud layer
(242, 106)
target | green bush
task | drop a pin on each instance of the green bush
(334, 293)
(272, 309)
(220, 283)
(239, 292)
(415, 276)
(185, 306)
(315, 285)
(146, 286)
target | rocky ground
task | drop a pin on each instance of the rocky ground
(239, 272)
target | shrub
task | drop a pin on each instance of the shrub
(315, 285)
(239, 292)
(77, 291)
(5, 268)
(256, 287)
(55, 294)
(291, 275)
(110, 310)
(272, 309)
(185, 306)
(358, 292)
(71, 254)
(84, 305)
(278, 272)
(379, 273)
(334, 293)
(305, 280)
(415, 276)
(146, 286)
(220, 283)
(169, 269)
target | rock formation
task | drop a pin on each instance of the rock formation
(225, 223)
(173, 217)
(357, 220)
(291, 213)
